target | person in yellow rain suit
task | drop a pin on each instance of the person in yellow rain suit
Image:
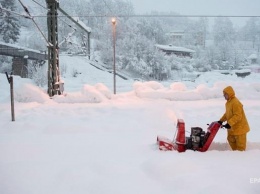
(237, 125)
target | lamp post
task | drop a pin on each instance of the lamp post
(114, 52)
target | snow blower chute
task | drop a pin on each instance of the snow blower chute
(198, 140)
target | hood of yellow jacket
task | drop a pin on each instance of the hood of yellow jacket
(229, 91)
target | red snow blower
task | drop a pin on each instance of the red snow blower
(199, 140)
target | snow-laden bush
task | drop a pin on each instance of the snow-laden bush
(88, 94)
(5, 67)
(91, 94)
(5, 64)
(178, 86)
(38, 73)
(103, 89)
(30, 93)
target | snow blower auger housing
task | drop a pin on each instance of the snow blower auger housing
(198, 140)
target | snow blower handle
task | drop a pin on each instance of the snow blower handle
(221, 124)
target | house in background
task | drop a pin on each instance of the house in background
(179, 51)
(254, 63)
(176, 37)
(200, 39)
(253, 58)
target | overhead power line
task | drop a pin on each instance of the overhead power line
(159, 16)
(167, 15)
(32, 18)
(66, 23)
(39, 4)
(13, 12)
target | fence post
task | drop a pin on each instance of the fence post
(11, 82)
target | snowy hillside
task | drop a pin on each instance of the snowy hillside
(92, 141)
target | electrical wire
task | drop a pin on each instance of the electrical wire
(31, 17)
(48, 9)
(40, 4)
(28, 13)
(113, 17)
(13, 12)
(66, 23)
(107, 6)
(160, 16)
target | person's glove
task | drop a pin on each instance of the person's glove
(227, 126)
(220, 122)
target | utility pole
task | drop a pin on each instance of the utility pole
(55, 86)
(53, 49)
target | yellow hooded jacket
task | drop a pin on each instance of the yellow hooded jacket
(234, 115)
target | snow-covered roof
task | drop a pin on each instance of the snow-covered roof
(174, 48)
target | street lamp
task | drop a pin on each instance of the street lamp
(114, 52)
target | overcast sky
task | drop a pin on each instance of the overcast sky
(200, 7)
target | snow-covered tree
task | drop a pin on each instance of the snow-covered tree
(9, 24)
(202, 31)
(224, 38)
(223, 30)
(37, 72)
(152, 28)
(136, 38)
(252, 31)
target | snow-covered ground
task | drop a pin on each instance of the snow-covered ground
(91, 141)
